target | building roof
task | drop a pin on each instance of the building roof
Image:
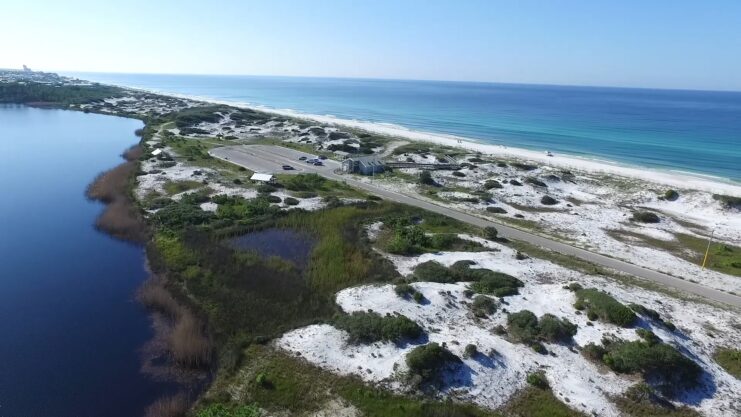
(261, 177)
(156, 151)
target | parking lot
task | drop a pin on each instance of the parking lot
(270, 159)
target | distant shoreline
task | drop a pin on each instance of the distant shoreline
(668, 177)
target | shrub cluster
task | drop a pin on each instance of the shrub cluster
(406, 292)
(483, 306)
(548, 200)
(645, 217)
(491, 282)
(538, 379)
(525, 327)
(600, 305)
(658, 362)
(489, 184)
(305, 182)
(368, 327)
(427, 360)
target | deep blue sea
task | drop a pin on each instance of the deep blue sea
(691, 131)
(70, 329)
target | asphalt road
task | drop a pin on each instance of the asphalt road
(269, 159)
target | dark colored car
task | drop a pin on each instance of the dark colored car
(318, 163)
(301, 158)
(322, 157)
(287, 167)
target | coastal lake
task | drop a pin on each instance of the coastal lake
(71, 329)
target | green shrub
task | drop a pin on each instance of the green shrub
(266, 189)
(273, 199)
(536, 182)
(671, 195)
(658, 363)
(181, 214)
(497, 283)
(491, 233)
(648, 336)
(645, 217)
(442, 241)
(593, 352)
(470, 351)
(523, 326)
(538, 379)
(367, 327)
(432, 271)
(730, 360)
(548, 200)
(291, 201)
(408, 240)
(496, 210)
(491, 184)
(425, 178)
(305, 182)
(221, 410)
(728, 202)
(428, 360)
(601, 305)
(406, 292)
(483, 306)
(458, 174)
(553, 329)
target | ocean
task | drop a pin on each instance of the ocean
(670, 130)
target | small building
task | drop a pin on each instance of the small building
(364, 165)
(262, 177)
(156, 152)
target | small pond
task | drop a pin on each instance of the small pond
(284, 243)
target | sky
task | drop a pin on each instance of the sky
(627, 43)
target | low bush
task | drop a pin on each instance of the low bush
(470, 351)
(548, 200)
(483, 306)
(491, 233)
(536, 182)
(458, 174)
(407, 292)
(367, 327)
(593, 352)
(516, 183)
(659, 363)
(645, 217)
(525, 327)
(266, 189)
(496, 210)
(290, 201)
(538, 379)
(408, 240)
(442, 241)
(523, 166)
(428, 360)
(221, 410)
(425, 178)
(728, 202)
(273, 199)
(730, 360)
(492, 184)
(432, 271)
(671, 195)
(305, 182)
(599, 304)
(497, 283)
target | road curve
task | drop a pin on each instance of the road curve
(251, 156)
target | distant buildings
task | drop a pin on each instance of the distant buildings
(26, 69)
(365, 165)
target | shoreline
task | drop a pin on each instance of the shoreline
(669, 177)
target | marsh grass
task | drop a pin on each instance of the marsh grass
(121, 217)
(172, 406)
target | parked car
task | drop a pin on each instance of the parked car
(318, 163)
(287, 168)
(301, 158)
(322, 157)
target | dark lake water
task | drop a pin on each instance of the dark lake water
(287, 244)
(69, 327)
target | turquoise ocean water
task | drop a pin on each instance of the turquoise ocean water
(675, 130)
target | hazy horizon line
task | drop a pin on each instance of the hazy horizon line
(534, 84)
